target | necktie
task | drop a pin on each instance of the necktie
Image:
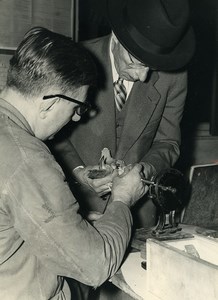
(119, 93)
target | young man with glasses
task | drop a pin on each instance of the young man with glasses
(141, 96)
(43, 237)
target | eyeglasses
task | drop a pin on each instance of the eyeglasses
(80, 109)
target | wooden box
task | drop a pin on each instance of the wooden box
(184, 269)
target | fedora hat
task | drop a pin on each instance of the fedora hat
(156, 32)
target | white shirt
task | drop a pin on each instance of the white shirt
(128, 84)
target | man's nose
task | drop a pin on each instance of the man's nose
(75, 117)
(143, 73)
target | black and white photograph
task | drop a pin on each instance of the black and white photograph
(108, 150)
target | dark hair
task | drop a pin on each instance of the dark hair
(44, 59)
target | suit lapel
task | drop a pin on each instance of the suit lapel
(141, 104)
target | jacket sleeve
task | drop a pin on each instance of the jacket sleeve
(65, 154)
(46, 217)
(164, 151)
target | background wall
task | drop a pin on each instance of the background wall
(92, 19)
(200, 121)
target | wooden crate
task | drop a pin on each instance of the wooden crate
(175, 274)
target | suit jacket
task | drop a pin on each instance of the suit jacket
(151, 131)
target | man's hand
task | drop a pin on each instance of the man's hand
(128, 188)
(101, 186)
(148, 170)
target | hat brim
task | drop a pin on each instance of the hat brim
(175, 59)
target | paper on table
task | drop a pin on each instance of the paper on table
(134, 274)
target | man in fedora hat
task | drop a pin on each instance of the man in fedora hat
(140, 100)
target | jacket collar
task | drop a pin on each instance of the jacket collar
(14, 114)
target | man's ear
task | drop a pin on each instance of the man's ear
(46, 106)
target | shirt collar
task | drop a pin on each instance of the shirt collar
(9, 110)
(115, 75)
